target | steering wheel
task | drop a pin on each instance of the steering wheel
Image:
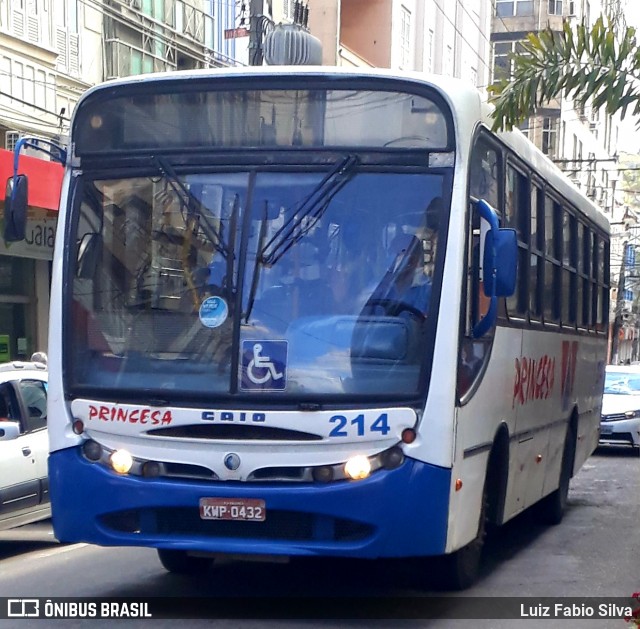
(393, 308)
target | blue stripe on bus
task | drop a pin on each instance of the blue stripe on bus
(403, 512)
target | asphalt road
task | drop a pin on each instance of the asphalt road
(595, 552)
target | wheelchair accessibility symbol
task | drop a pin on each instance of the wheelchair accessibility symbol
(264, 365)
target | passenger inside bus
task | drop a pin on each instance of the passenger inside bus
(352, 270)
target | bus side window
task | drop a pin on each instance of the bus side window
(485, 168)
(484, 173)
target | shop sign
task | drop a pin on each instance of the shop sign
(5, 351)
(45, 179)
(39, 240)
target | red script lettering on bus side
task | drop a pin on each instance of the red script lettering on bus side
(534, 379)
(131, 416)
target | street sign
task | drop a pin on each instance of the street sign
(232, 33)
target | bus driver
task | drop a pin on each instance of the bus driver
(405, 287)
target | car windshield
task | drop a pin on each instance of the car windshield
(253, 283)
(622, 383)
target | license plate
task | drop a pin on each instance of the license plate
(606, 430)
(238, 509)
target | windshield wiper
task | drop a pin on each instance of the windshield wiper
(315, 203)
(311, 207)
(255, 274)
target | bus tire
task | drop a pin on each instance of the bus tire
(179, 562)
(551, 509)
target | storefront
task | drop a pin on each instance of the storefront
(25, 267)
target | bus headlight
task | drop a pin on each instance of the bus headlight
(357, 467)
(121, 461)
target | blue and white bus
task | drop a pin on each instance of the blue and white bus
(314, 312)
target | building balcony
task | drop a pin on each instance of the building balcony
(124, 59)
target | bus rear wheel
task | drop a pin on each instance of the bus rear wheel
(179, 562)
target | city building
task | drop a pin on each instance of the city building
(42, 74)
(51, 51)
(450, 38)
(582, 141)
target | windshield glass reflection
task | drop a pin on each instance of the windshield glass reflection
(299, 283)
(621, 382)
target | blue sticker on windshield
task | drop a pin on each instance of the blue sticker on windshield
(213, 312)
(264, 365)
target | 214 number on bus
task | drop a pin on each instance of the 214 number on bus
(343, 427)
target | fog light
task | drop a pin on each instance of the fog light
(392, 458)
(151, 469)
(121, 461)
(92, 450)
(78, 427)
(323, 474)
(357, 467)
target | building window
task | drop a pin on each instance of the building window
(549, 136)
(289, 9)
(473, 75)
(502, 58)
(448, 68)
(555, 7)
(428, 64)
(405, 38)
(67, 38)
(510, 8)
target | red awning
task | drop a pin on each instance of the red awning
(45, 179)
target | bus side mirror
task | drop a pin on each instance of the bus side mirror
(89, 254)
(15, 208)
(499, 265)
(500, 262)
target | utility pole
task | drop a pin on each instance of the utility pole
(256, 21)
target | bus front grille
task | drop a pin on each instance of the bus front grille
(279, 525)
(234, 432)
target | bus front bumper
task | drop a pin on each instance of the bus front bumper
(397, 513)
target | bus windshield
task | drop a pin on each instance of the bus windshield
(241, 282)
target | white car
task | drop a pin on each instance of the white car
(620, 420)
(24, 444)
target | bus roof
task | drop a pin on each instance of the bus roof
(460, 95)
